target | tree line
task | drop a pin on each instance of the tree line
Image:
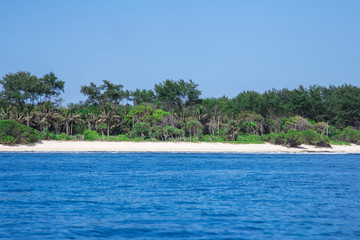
(173, 110)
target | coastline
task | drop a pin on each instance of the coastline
(201, 147)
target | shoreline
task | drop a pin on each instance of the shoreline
(180, 147)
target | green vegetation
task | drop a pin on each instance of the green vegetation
(311, 137)
(348, 134)
(12, 132)
(249, 139)
(174, 111)
(91, 135)
(62, 137)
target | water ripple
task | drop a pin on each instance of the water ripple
(179, 196)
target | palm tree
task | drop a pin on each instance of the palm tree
(48, 116)
(108, 116)
(91, 116)
(193, 127)
(69, 118)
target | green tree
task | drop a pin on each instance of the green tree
(140, 113)
(70, 117)
(107, 97)
(140, 129)
(317, 107)
(299, 101)
(298, 123)
(271, 104)
(142, 96)
(48, 116)
(247, 101)
(217, 109)
(24, 91)
(251, 123)
(170, 131)
(193, 128)
(104, 94)
(51, 87)
(347, 100)
(102, 127)
(175, 95)
(231, 130)
(156, 132)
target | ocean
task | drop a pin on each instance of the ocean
(179, 196)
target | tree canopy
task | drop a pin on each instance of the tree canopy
(173, 110)
(22, 88)
(176, 95)
(103, 94)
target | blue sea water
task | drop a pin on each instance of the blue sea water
(179, 196)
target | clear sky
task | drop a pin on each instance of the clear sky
(224, 46)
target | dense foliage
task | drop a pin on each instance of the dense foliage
(12, 132)
(173, 110)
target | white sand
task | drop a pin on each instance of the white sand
(83, 146)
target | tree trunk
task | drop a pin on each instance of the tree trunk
(28, 118)
(108, 128)
(327, 128)
(67, 128)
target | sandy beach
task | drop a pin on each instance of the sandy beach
(98, 146)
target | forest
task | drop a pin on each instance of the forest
(174, 111)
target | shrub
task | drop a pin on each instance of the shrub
(140, 129)
(251, 138)
(137, 139)
(79, 137)
(333, 131)
(339, 143)
(313, 138)
(218, 139)
(6, 139)
(275, 138)
(194, 128)
(295, 123)
(207, 138)
(231, 130)
(348, 134)
(91, 135)
(47, 135)
(210, 138)
(156, 132)
(122, 137)
(171, 132)
(321, 127)
(12, 132)
(62, 136)
(293, 138)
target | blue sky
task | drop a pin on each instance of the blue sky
(224, 46)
